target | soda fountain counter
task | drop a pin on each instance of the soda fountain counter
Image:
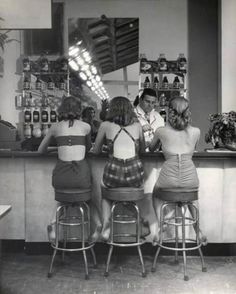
(25, 184)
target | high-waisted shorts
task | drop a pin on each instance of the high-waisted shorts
(71, 174)
(123, 172)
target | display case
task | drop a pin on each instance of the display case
(166, 77)
(44, 82)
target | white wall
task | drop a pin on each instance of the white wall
(228, 60)
(10, 81)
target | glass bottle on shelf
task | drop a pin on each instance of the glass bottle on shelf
(50, 83)
(26, 83)
(26, 64)
(44, 115)
(165, 83)
(36, 115)
(162, 63)
(176, 83)
(45, 129)
(147, 83)
(162, 103)
(53, 115)
(44, 64)
(182, 62)
(27, 115)
(62, 84)
(156, 83)
(38, 84)
(27, 131)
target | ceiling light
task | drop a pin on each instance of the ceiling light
(83, 76)
(73, 51)
(80, 60)
(93, 69)
(73, 65)
(89, 83)
(98, 78)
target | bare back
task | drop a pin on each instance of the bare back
(178, 142)
(123, 146)
(69, 152)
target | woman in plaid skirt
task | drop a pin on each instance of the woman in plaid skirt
(124, 138)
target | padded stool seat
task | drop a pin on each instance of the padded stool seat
(122, 193)
(176, 195)
(72, 195)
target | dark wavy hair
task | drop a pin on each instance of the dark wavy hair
(69, 110)
(121, 111)
(179, 115)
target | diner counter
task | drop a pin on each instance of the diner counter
(25, 184)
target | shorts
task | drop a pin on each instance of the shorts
(123, 173)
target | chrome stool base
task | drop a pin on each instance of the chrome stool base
(182, 221)
(79, 222)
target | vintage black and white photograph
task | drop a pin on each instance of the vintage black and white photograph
(117, 146)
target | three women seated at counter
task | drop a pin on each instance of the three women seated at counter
(123, 134)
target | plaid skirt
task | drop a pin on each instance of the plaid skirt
(123, 173)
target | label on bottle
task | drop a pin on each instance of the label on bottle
(44, 116)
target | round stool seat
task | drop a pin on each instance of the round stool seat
(72, 195)
(122, 193)
(176, 195)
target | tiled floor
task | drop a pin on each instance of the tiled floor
(27, 274)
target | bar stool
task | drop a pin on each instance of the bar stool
(180, 201)
(72, 199)
(122, 197)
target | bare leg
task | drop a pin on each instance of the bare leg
(202, 237)
(106, 212)
(51, 229)
(96, 219)
(148, 213)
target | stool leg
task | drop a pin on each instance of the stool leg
(94, 258)
(56, 242)
(204, 269)
(161, 237)
(176, 234)
(186, 278)
(83, 242)
(65, 211)
(144, 274)
(138, 232)
(106, 274)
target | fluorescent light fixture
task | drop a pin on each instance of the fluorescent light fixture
(89, 83)
(73, 51)
(83, 76)
(73, 65)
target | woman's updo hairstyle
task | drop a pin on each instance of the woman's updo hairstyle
(121, 111)
(69, 110)
(179, 115)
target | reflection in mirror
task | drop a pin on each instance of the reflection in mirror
(104, 53)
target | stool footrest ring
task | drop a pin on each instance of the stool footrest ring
(72, 249)
(126, 245)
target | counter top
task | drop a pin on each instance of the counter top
(211, 154)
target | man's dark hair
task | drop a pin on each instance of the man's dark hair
(149, 92)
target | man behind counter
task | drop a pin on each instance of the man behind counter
(149, 119)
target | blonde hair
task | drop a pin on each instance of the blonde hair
(179, 115)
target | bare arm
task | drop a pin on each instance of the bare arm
(198, 138)
(99, 139)
(141, 140)
(46, 140)
(156, 143)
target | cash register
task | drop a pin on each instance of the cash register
(9, 138)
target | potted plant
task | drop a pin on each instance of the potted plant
(222, 131)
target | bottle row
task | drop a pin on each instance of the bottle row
(43, 64)
(36, 130)
(41, 85)
(163, 65)
(38, 115)
(163, 85)
(28, 100)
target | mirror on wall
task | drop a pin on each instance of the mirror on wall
(113, 47)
